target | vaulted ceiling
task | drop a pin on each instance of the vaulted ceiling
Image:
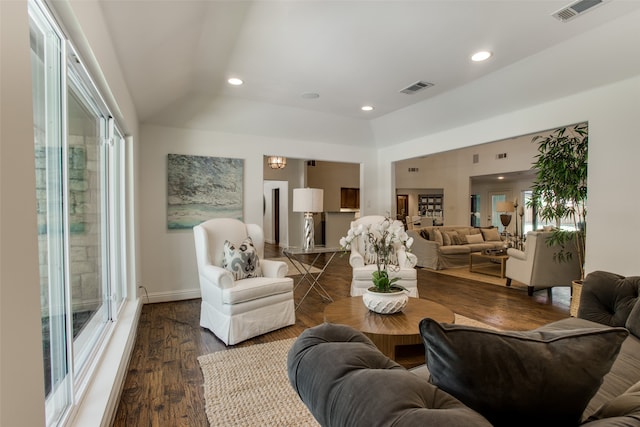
(177, 55)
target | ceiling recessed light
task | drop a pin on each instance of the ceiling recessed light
(310, 95)
(501, 177)
(367, 108)
(483, 55)
(235, 81)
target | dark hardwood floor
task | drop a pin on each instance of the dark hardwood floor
(164, 382)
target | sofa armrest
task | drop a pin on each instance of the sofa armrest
(330, 365)
(427, 252)
(608, 298)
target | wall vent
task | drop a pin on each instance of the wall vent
(416, 87)
(501, 156)
(414, 169)
(476, 158)
(569, 12)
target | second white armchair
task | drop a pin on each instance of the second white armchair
(362, 270)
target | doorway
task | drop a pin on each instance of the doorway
(402, 207)
(276, 215)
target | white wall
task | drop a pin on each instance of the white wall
(168, 257)
(611, 112)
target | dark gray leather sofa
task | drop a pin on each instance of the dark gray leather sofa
(345, 381)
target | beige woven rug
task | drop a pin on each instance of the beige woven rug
(248, 386)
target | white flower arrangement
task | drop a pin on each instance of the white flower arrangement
(381, 242)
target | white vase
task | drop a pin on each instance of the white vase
(385, 302)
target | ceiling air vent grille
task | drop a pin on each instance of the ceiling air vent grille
(574, 9)
(417, 86)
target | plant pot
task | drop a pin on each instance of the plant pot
(576, 290)
(385, 302)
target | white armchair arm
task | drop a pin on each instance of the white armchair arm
(218, 276)
(406, 259)
(273, 268)
(517, 254)
(356, 260)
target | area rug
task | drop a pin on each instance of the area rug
(248, 386)
(464, 273)
(293, 271)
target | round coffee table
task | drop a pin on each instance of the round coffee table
(397, 335)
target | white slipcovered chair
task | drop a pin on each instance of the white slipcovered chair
(236, 310)
(362, 271)
(535, 266)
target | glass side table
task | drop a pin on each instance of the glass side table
(298, 258)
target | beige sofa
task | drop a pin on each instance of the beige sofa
(451, 247)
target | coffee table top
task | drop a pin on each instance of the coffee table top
(352, 312)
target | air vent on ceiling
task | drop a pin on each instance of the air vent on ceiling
(417, 86)
(574, 9)
(414, 170)
(476, 158)
(501, 156)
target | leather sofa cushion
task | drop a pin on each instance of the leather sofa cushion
(608, 298)
(625, 405)
(530, 378)
(633, 321)
(344, 380)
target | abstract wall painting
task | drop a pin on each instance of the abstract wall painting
(200, 188)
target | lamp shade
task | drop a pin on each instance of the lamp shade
(307, 199)
(505, 207)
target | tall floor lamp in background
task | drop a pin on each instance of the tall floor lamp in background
(308, 200)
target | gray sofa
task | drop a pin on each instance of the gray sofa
(577, 371)
(440, 247)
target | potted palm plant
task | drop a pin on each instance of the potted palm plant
(560, 189)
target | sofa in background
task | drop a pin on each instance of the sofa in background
(553, 375)
(440, 247)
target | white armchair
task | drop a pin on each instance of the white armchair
(236, 310)
(362, 271)
(535, 266)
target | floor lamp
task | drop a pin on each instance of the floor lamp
(308, 200)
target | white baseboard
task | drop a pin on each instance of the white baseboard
(170, 296)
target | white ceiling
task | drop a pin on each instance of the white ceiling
(176, 56)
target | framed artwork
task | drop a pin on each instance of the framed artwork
(200, 188)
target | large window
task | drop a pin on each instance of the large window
(80, 180)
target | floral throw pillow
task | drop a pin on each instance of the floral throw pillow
(242, 261)
(371, 257)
